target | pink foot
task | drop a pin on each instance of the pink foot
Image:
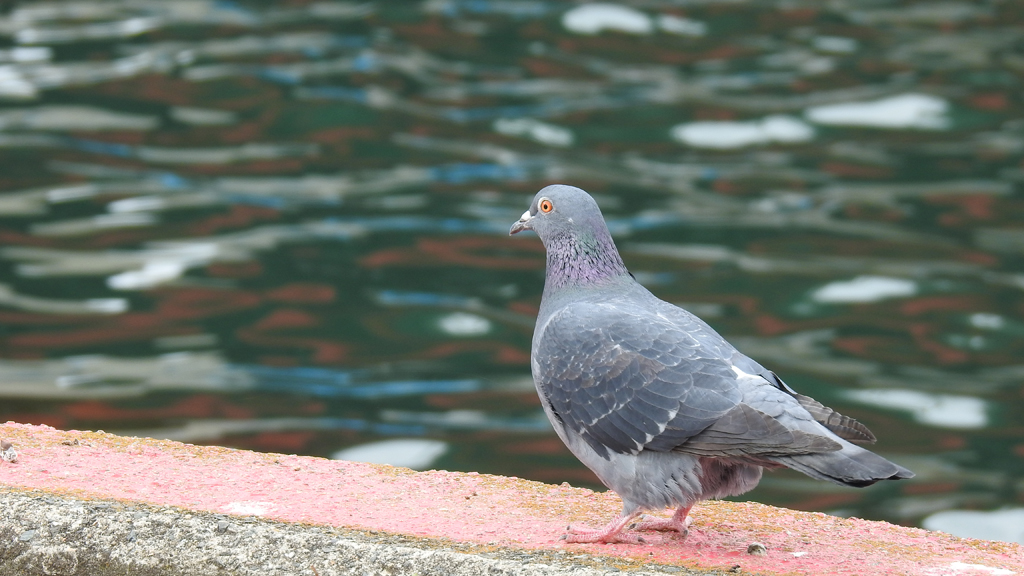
(612, 533)
(588, 535)
(680, 522)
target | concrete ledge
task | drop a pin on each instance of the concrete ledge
(99, 538)
(95, 503)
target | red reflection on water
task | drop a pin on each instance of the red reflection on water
(15, 238)
(931, 487)
(824, 501)
(291, 442)
(497, 401)
(925, 338)
(552, 474)
(197, 406)
(117, 136)
(306, 293)
(919, 350)
(526, 308)
(194, 303)
(547, 446)
(55, 420)
(951, 442)
(340, 134)
(991, 101)
(770, 325)
(35, 318)
(468, 251)
(155, 87)
(250, 269)
(263, 333)
(945, 303)
(873, 212)
(238, 216)
(286, 319)
(967, 210)
(175, 314)
(498, 352)
(128, 328)
(850, 170)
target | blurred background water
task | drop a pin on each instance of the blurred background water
(282, 226)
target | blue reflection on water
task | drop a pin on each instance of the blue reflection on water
(347, 384)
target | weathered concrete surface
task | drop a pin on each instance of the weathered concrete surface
(45, 534)
(94, 503)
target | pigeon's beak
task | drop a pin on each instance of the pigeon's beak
(522, 224)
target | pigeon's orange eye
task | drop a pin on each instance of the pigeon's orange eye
(545, 206)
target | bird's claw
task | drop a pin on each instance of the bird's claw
(589, 536)
(664, 525)
(613, 539)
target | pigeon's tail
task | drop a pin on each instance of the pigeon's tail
(851, 466)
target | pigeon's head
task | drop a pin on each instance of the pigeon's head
(559, 210)
(580, 249)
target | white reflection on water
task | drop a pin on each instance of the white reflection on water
(920, 111)
(864, 289)
(724, 135)
(99, 31)
(594, 18)
(162, 262)
(93, 224)
(987, 321)
(203, 116)
(8, 297)
(816, 265)
(942, 410)
(682, 26)
(152, 274)
(464, 324)
(1006, 525)
(535, 130)
(415, 453)
(68, 118)
(600, 16)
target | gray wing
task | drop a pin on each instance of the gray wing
(626, 379)
(843, 426)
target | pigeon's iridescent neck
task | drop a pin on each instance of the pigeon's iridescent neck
(579, 262)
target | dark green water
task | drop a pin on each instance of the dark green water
(283, 226)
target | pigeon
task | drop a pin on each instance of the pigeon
(656, 403)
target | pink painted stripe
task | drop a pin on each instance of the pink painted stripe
(474, 508)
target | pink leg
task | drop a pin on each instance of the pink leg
(680, 522)
(613, 532)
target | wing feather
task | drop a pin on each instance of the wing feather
(843, 426)
(626, 380)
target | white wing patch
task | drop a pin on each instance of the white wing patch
(745, 375)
